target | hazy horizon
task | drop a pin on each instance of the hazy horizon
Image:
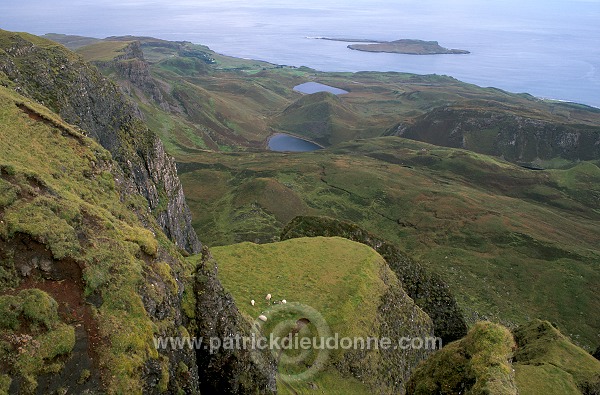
(545, 48)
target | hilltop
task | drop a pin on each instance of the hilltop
(354, 290)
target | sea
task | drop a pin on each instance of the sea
(548, 48)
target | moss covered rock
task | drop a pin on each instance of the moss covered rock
(546, 361)
(33, 339)
(477, 364)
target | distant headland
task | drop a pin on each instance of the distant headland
(403, 46)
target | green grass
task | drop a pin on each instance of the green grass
(253, 99)
(103, 51)
(546, 360)
(342, 280)
(512, 243)
(476, 364)
(58, 189)
(70, 41)
(329, 382)
(319, 272)
(5, 381)
(32, 336)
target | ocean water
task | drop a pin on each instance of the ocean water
(547, 48)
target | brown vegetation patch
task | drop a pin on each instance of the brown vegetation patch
(62, 279)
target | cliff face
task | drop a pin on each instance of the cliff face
(84, 256)
(227, 371)
(51, 75)
(516, 138)
(428, 291)
(398, 316)
(83, 235)
(134, 74)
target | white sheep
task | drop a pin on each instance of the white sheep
(283, 301)
(268, 298)
(252, 302)
(262, 318)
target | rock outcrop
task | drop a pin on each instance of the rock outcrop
(133, 73)
(541, 349)
(517, 138)
(60, 80)
(87, 229)
(427, 290)
(227, 371)
(399, 317)
(480, 363)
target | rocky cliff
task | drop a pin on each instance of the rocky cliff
(227, 371)
(517, 138)
(51, 75)
(89, 280)
(479, 363)
(133, 74)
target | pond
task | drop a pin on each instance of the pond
(314, 87)
(286, 143)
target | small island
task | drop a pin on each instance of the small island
(403, 46)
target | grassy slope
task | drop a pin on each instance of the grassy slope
(103, 51)
(339, 278)
(70, 41)
(477, 364)
(537, 360)
(547, 362)
(514, 244)
(239, 103)
(57, 188)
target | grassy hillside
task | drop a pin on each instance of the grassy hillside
(103, 51)
(429, 291)
(513, 243)
(547, 362)
(475, 365)
(322, 117)
(346, 282)
(71, 41)
(211, 101)
(538, 359)
(88, 277)
(77, 264)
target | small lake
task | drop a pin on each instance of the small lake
(314, 87)
(285, 143)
